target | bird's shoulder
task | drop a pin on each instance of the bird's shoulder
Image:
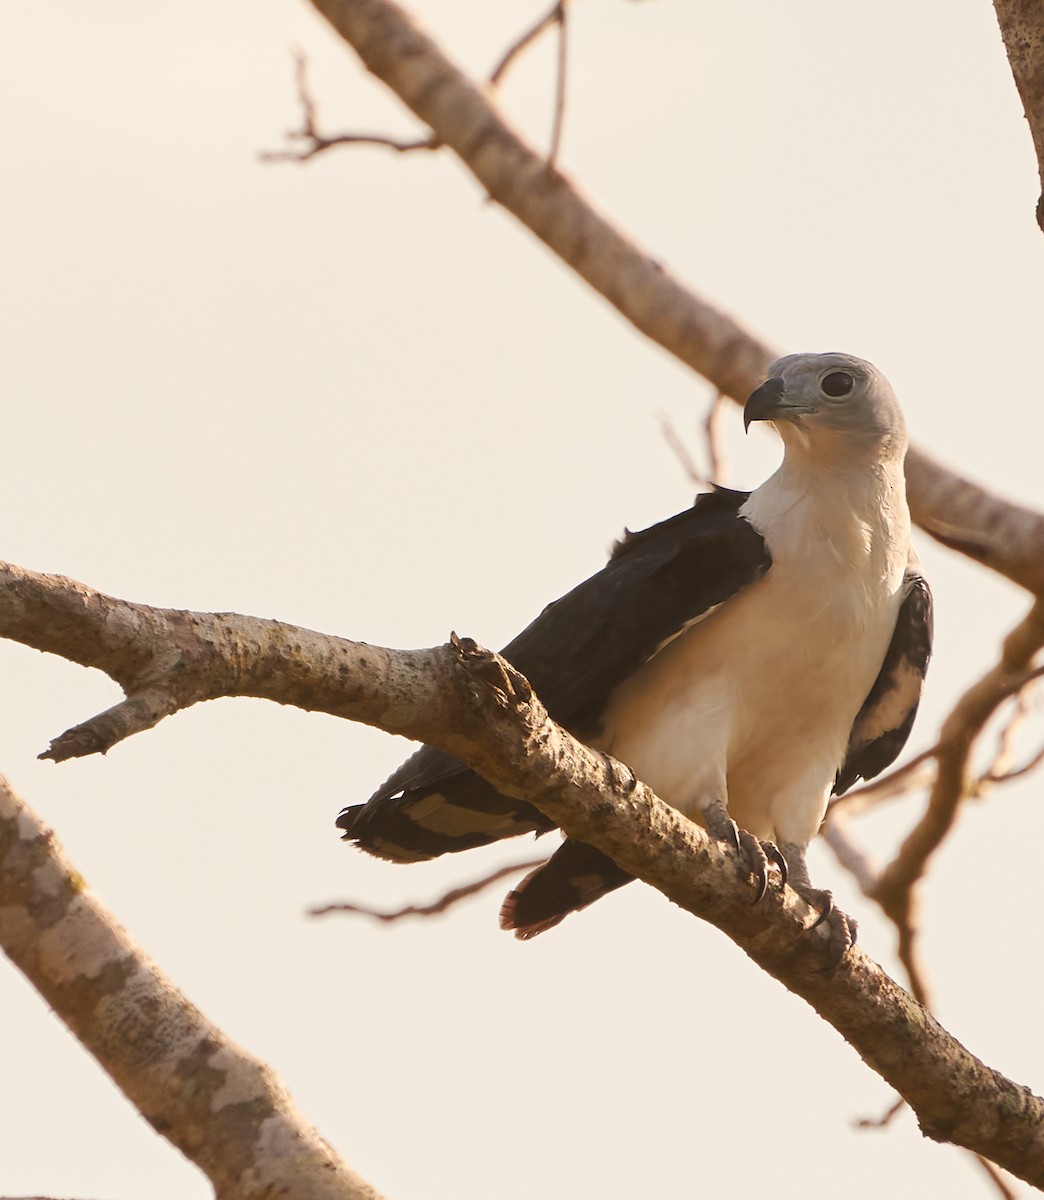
(656, 582)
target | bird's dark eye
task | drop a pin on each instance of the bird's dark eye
(837, 384)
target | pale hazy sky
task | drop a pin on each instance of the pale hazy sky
(355, 397)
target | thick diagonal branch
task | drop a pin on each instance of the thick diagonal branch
(220, 1107)
(475, 705)
(463, 117)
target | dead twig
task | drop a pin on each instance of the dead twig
(712, 436)
(848, 854)
(1015, 772)
(712, 442)
(907, 778)
(440, 905)
(1001, 769)
(996, 1178)
(315, 142)
(681, 452)
(555, 16)
(560, 84)
(884, 1119)
(896, 887)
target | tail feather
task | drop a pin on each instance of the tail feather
(575, 876)
(457, 813)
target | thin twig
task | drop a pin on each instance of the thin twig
(1016, 772)
(682, 453)
(1000, 769)
(555, 15)
(848, 854)
(884, 1119)
(712, 434)
(560, 84)
(896, 887)
(908, 950)
(903, 779)
(552, 17)
(316, 142)
(998, 1180)
(712, 441)
(436, 906)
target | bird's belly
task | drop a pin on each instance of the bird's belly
(754, 704)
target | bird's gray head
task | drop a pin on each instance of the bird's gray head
(829, 400)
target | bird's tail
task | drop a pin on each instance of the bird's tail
(455, 813)
(575, 876)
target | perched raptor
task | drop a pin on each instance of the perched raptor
(745, 658)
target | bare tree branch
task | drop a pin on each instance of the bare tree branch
(553, 16)
(956, 740)
(836, 835)
(1022, 26)
(895, 888)
(884, 1119)
(996, 1178)
(910, 776)
(1002, 769)
(994, 776)
(1006, 537)
(224, 1110)
(679, 448)
(713, 448)
(558, 17)
(712, 437)
(313, 142)
(443, 904)
(561, 70)
(473, 704)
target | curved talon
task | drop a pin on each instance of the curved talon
(827, 900)
(843, 929)
(775, 855)
(757, 855)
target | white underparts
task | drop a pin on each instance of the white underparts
(754, 704)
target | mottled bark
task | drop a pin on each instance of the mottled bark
(226, 1111)
(1022, 27)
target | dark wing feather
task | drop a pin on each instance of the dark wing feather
(656, 583)
(575, 876)
(884, 722)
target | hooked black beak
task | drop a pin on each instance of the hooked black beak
(769, 403)
(764, 402)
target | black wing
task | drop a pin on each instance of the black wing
(884, 722)
(656, 583)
